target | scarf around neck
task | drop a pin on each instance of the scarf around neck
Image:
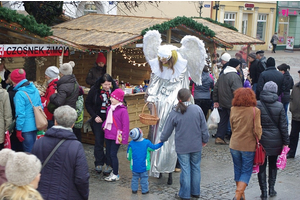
(109, 119)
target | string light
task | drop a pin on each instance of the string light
(128, 55)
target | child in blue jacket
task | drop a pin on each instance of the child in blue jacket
(138, 153)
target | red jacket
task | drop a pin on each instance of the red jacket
(50, 90)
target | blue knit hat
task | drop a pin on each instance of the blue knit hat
(136, 134)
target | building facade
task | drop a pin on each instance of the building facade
(255, 18)
(288, 24)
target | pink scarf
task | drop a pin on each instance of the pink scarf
(109, 118)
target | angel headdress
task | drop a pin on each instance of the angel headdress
(171, 68)
(191, 54)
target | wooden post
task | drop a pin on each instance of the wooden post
(109, 63)
(169, 36)
(248, 51)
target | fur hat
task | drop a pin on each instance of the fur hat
(270, 86)
(67, 68)
(226, 57)
(136, 134)
(271, 62)
(18, 75)
(252, 55)
(164, 52)
(52, 72)
(101, 58)
(20, 168)
(233, 62)
(118, 94)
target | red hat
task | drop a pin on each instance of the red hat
(18, 75)
(118, 94)
(101, 58)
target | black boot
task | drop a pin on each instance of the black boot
(170, 179)
(272, 180)
(262, 180)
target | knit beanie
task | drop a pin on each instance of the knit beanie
(270, 86)
(101, 58)
(270, 62)
(18, 75)
(52, 72)
(67, 68)
(20, 168)
(252, 55)
(118, 94)
(233, 62)
(226, 57)
(136, 134)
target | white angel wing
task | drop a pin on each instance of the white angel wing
(151, 42)
(193, 50)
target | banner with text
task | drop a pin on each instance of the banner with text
(33, 50)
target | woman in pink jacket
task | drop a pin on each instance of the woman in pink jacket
(117, 121)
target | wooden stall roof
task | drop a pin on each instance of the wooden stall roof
(107, 32)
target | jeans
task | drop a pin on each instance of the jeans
(286, 106)
(243, 164)
(29, 140)
(112, 154)
(143, 176)
(294, 137)
(254, 87)
(190, 175)
(204, 104)
(223, 124)
(100, 157)
(274, 48)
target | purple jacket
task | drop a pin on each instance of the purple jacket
(121, 118)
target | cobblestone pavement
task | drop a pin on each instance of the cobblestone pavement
(216, 169)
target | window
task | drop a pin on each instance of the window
(261, 27)
(229, 18)
(283, 27)
(89, 7)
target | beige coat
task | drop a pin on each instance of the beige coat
(5, 113)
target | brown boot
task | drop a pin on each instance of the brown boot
(220, 141)
(241, 186)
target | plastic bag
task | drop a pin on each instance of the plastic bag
(270, 46)
(7, 143)
(213, 120)
(281, 161)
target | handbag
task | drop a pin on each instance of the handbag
(51, 106)
(7, 143)
(41, 121)
(119, 133)
(272, 40)
(260, 153)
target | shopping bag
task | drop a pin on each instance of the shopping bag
(255, 169)
(213, 120)
(281, 161)
(40, 134)
(7, 143)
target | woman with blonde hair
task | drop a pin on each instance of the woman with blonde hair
(244, 122)
(22, 171)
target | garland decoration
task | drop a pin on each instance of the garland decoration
(219, 23)
(28, 22)
(188, 22)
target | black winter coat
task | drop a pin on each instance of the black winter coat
(254, 71)
(66, 175)
(93, 102)
(94, 74)
(270, 74)
(67, 93)
(274, 136)
(287, 85)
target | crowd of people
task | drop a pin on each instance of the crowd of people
(252, 101)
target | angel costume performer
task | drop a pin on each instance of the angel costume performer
(188, 61)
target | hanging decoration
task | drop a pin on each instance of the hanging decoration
(28, 22)
(189, 22)
(128, 55)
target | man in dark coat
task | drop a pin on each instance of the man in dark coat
(262, 61)
(295, 110)
(253, 69)
(227, 83)
(270, 74)
(97, 71)
(66, 174)
(67, 87)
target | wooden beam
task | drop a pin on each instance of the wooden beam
(169, 36)
(109, 63)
